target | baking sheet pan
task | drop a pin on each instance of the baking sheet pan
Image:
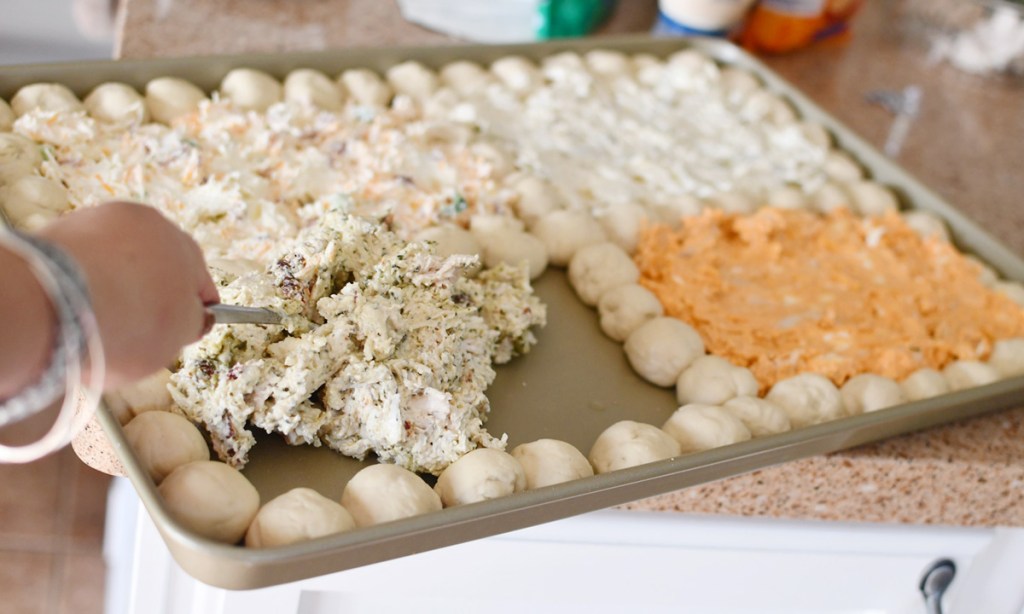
(571, 386)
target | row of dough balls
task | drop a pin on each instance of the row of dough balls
(169, 97)
(31, 200)
(795, 402)
(217, 502)
(661, 349)
(666, 351)
(166, 98)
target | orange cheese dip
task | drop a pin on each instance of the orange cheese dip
(785, 292)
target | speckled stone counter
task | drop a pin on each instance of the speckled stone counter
(966, 145)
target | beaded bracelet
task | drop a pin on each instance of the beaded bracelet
(77, 336)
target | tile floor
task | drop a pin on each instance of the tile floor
(51, 536)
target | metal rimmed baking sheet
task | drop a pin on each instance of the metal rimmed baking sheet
(571, 386)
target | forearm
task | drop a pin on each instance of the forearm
(28, 324)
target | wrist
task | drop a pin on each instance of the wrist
(30, 325)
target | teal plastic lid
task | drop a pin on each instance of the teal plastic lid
(570, 18)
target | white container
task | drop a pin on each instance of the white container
(712, 17)
(505, 21)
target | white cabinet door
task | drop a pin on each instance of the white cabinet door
(616, 561)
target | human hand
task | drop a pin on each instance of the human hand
(147, 280)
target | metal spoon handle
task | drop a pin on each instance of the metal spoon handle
(236, 314)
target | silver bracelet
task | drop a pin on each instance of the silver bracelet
(71, 302)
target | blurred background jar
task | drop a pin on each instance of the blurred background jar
(508, 21)
(779, 26)
(701, 17)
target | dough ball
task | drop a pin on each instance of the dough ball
(622, 224)
(445, 133)
(712, 380)
(464, 113)
(1007, 357)
(815, 134)
(700, 427)
(673, 211)
(566, 232)
(691, 70)
(211, 499)
(661, 348)
(413, 79)
(807, 399)
(499, 161)
(869, 392)
(556, 67)
(484, 224)
(148, 394)
(782, 112)
(738, 84)
(312, 87)
(115, 404)
(760, 416)
(451, 240)
(607, 62)
(550, 461)
(251, 89)
(829, 197)
(164, 441)
(567, 68)
(649, 69)
(924, 384)
(442, 104)
(597, 268)
(366, 87)
(871, 198)
(764, 106)
(33, 195)
(732, 202)
(517, 73)
(628, 444)
(537, 198)
(405, 108)
(986, 274)
(19, 156)
(961, 374)
(515, 247)
(382, 493)
(465, 77)
(625, 308)
(787, 197)
(1011, 289)
(480, 475)
(6, 116)
(48, 97)
(117, 103)
(926, 224)
(840, 166)
(298, 515)
(169, 98)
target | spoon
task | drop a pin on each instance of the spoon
(237, 314)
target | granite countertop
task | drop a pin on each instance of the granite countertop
(965, 146)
